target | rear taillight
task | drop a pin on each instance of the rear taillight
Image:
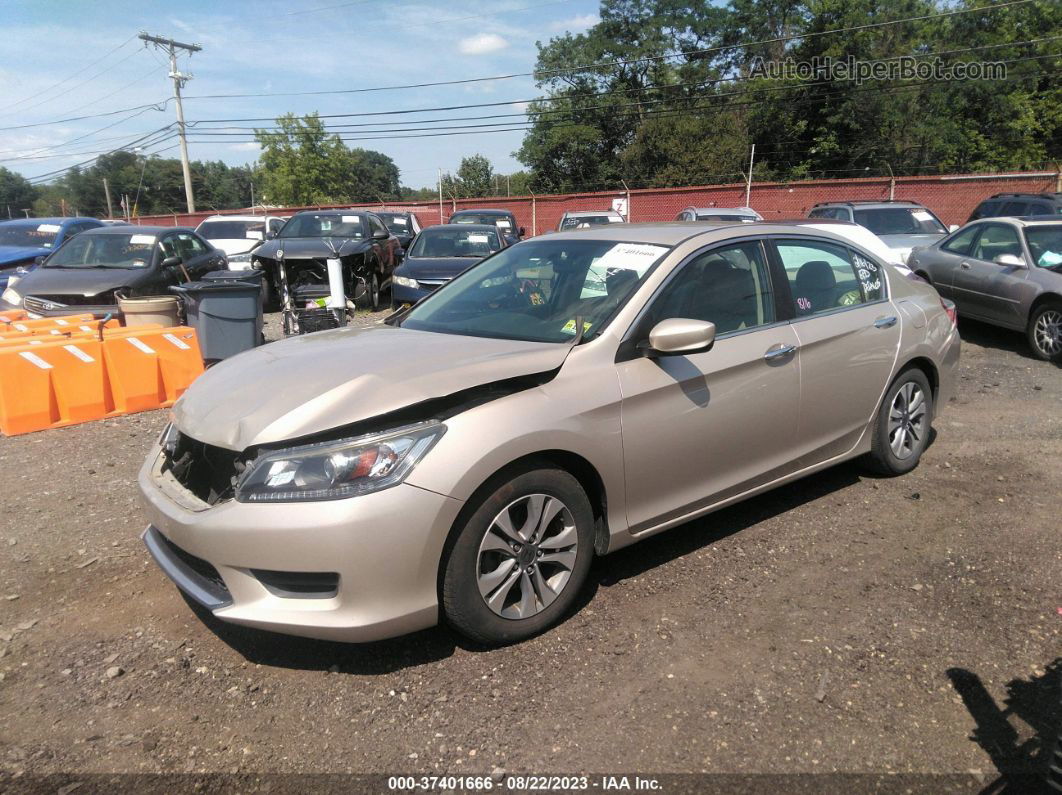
(949, 307)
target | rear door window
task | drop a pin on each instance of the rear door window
(962, 241)
(825, 276)
(997, 239)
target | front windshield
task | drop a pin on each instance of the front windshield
(28, 235)
(537, 290)
(396, 224)
(127, 250)
(232, 230)
(589, 220)
(447, 241)
(321, 225)
(1045, 245)
(900, 221)
(482, 218)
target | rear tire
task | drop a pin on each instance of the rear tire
(505, 577)
(902, 425)
(1044, 331)
(371, 298)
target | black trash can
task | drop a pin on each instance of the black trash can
(226, 315)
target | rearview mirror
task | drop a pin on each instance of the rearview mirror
(1010, 261)
(679, 335)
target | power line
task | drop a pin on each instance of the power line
(159, 106)
(81, 71)
(619, 62)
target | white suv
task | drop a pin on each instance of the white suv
(237, 235)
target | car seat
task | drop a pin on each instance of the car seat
(814, 287)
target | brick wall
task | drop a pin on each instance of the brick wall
(951, 197)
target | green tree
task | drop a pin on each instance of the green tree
(16, 193)
(476, 176)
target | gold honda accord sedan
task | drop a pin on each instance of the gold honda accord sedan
(466, 459)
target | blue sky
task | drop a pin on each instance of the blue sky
(265, 46)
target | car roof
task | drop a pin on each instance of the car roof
(587, 213)
(36, 221)
(136, 230)
(714, 210)
(464, 227)
(490, 211)
(239, 218)
(392, 212)
(672, 233)
(872, 204)
(1051, 196)
(348, 211)
(1025, 220)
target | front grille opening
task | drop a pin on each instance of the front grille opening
(299, 584)
(102, 299)
(209, 472)
(197, 565)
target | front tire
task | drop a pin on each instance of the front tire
(519, 561)
(1044, 332)
(902, 425)
(371, 298)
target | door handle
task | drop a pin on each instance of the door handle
(887, 321)
(964, 265)
(778, 353)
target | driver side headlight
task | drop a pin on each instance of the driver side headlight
(336, 470)
(12, 296)
(404, 281)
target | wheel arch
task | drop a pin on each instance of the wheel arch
(574, 464)
(927, 366)
(1041, 299)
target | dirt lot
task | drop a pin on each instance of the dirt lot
(843, 623)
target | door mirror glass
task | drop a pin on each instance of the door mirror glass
(39, 260)
(1010, 261)
(679, 335)
(953, 228)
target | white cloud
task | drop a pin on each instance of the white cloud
(576, 24)
(482, 44)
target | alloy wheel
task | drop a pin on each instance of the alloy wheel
(526, 556)
(907, 420)
(1047, 333)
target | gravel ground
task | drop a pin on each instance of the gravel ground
(842, 623)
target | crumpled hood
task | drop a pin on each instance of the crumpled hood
(307, 247)
(9, 255)
(80, 281)
(309, 384)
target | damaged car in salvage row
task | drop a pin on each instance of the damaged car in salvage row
(367, 251)
(570, 395)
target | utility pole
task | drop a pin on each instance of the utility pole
(748, 177)
(440, 197)
(107, 190)
(171, 46)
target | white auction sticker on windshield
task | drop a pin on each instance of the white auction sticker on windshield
(48, 228)
(631, 256)
(399, 221)
(922, 215)
(141, 240)
(350, 219)
(478, 238)
(503, 222)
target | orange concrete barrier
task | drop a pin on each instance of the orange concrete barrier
(44, 334)
(36, 325)
(11, 315)
(52, 385)
(49, 381)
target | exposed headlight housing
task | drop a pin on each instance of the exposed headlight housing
(240, 262)
(405, 281)
(12, 296)
(337, 470)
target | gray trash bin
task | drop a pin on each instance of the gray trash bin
(226, 315)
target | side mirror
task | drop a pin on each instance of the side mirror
(522, 231)
(1010, 261)
(40, 259)
(678, 336)
(171, 262)
(953, 228)
(380, 235)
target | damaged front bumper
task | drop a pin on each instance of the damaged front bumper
(357, 569)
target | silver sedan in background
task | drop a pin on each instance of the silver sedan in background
(1003, 271)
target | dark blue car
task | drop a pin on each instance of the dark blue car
(25, 239)
(438, 254)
